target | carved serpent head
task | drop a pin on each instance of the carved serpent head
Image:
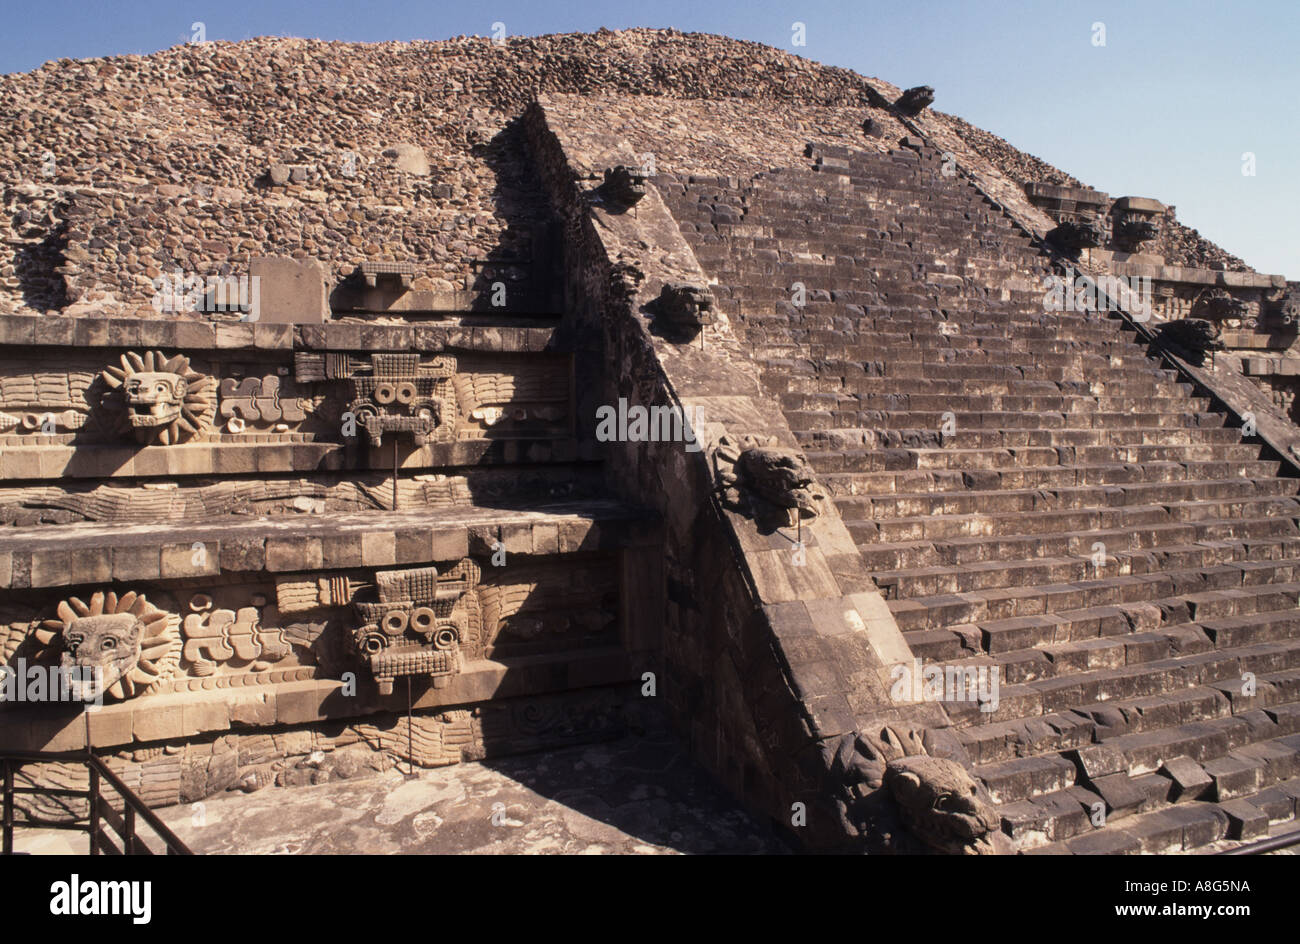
(942, 805)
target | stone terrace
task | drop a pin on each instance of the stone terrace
(1031, 492)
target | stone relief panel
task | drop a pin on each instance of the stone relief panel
(266, 402)
(441, 398)
(163, 775)
(152, 398)
(166, 641)
(363, 491)
(423, 622)
(427, 622)
(47, 401)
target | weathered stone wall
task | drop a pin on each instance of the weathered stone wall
(167, 773)
(118, 170)
(773, 669)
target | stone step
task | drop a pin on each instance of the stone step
(1271, 563)
(896, 506)
(1099, 694)
(901, 419)
(1021, 617)
(963, 551)
(838, 473)
(1048, 520)
(823, 430)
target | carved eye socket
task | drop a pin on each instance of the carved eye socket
(73, 642)
(161, 388)
(108, 643)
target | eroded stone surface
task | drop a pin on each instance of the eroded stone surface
(625, 797)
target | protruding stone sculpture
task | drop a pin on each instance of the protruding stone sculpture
(624, 185)
(684, 308)
(162, 400)
(397, 274)
(1221, 305)
(120, 646)
(1190, 338)
(1136, 221)
(915, 100)
(942, 805)
(1286, 308)
(401, 394)
(772, 484)
(414, 627)
(1074, 234)
(1132, 232)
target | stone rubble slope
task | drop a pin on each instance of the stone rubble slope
(119, 169)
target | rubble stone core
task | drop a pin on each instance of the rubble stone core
(298, 444)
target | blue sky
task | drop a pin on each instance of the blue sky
(1165, 109)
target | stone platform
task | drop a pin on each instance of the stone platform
(639, 796)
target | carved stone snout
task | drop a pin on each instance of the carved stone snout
(915, 100)
(684, 307)
(1076, 234)
(942, 805)
(773, 484)
(624, 185)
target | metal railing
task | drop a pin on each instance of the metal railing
(1271, 844)
(111, 832)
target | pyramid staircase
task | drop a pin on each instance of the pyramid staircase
(1031, 491)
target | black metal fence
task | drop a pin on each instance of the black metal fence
(112, 831)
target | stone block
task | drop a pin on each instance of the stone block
(137, 562)
(243, 554)
(1245, 820)
(341, 550)
(546, 539)
(1105, 842)
(111, 725)
(1191, 781)
(379, 548)
(288, 554)
(298, 703)
(202, 715)
(451, 544)
(255, 706)
(198, 558)
(412, 545)
(517, 538)
(50, 568)
(1140, 205)
(290, 291)
(159, 719)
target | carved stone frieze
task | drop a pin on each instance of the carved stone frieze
(259, 402)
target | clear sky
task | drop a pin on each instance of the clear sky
(1166, 108)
